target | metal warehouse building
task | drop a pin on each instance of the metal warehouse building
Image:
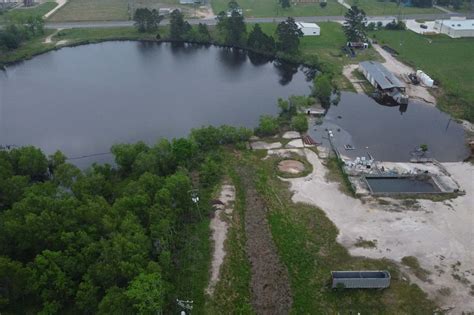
(379, 76)
(455, 27)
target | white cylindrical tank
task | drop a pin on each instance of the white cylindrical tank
(424, 78)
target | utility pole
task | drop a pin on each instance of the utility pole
(195, 199)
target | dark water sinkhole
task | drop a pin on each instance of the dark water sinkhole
(82, 100)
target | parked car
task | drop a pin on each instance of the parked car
(423, 26)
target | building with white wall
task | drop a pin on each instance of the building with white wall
(455, 27)
(309, 29)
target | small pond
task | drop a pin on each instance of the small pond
(401, 185)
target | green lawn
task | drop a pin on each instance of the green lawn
(375, 7)
(92, 10)
(448, 60)
(24, 13)
(270, 8)
(327, 47)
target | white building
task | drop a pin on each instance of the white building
(309, 29)
(455, 27)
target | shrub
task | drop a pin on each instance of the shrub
(300, 123)
(268, 126)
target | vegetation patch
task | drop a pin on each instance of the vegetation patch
(336, 173)
(306, 241)
(232, 292)
(92, 10)
(414, 265)
(377, 7)
(21, 14)
(365, 243)
(270, 8)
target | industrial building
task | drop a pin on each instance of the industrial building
(383, 80)
(309, 29)
(455, 27)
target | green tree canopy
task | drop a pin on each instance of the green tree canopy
(355, 25)
(259, 41)
(288, 36)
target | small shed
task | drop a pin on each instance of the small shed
(360, 279)
(309, 29)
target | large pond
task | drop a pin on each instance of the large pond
(82, 100)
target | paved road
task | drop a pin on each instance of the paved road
(249, 20)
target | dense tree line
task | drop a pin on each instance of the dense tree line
(101, 240)
(147, 20)
(16, 32)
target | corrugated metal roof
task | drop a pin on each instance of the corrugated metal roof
(384, 78)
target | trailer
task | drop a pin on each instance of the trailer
(360, 279)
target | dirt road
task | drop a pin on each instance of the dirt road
(401, 70)
(270, 286)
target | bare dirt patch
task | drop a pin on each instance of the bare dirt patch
(219, 228)
(270, 288)
(291, 166)
(438, 234)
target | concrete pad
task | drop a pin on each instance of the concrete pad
(291, 135)
(297, 143)
(414, 26)
(262, 145)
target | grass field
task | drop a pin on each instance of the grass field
(270, 8)
(375, 7)
(448, 60)
(24, 13)
(92, 10)
(327, 47)
(306, 242)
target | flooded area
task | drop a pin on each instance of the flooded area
(401, 185)
(390, 133)
(82, 100)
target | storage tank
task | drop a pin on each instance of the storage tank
(424, 78)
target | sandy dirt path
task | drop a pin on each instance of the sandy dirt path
(60, 3)
(439, 234)
(270, 287)
(219, 228)
(401, 70)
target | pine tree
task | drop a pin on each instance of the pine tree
(288, 35)
(355, 25)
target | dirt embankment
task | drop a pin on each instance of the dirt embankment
(270, 286)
